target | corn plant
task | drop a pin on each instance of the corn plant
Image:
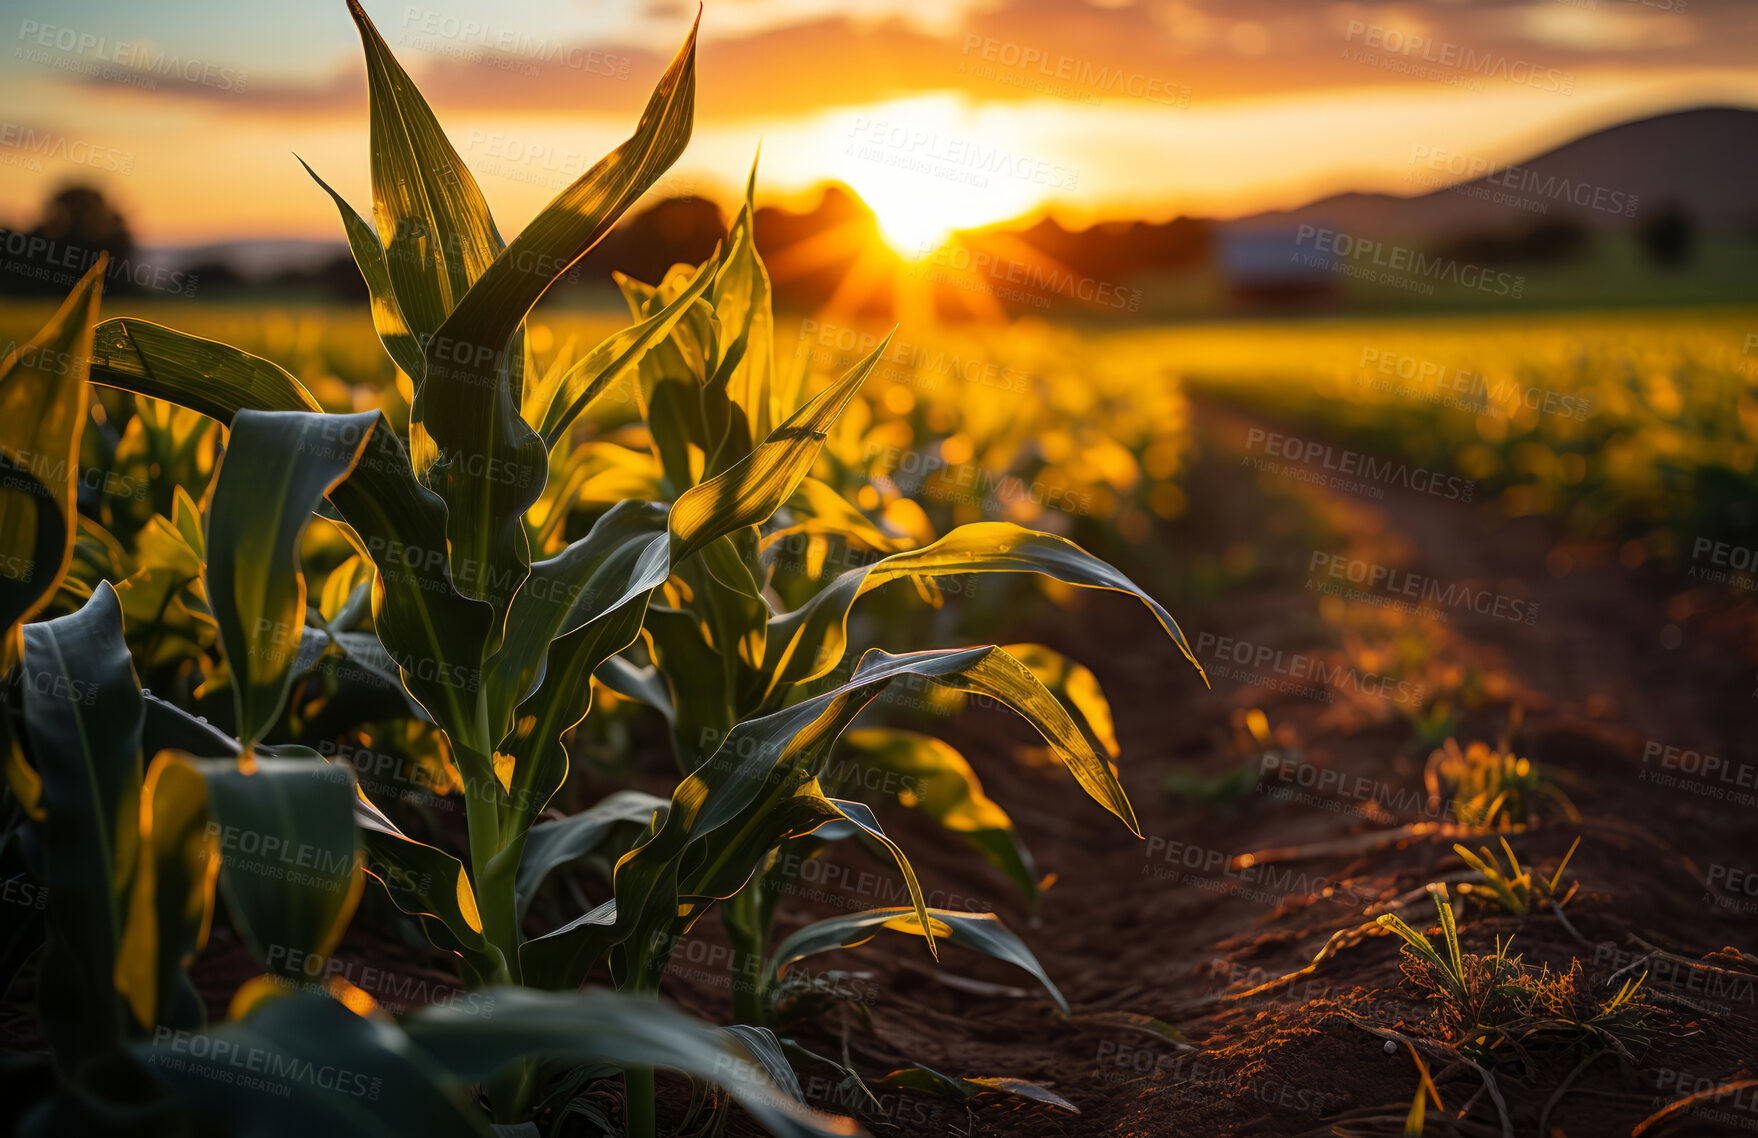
(134, 837)
(499, 649)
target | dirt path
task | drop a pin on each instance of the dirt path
(1168, 927)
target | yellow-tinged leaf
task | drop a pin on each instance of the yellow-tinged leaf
(467, 901)
(1076, 686)
(255, 992)
(354, 999)
(170, 905)
(26, 783)
(43, 398)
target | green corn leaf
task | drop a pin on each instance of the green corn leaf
(424, 621)
(433, 221)
(623, 557)
(540, 761)
(702, 682)
(387, 312)
(609, 1027)
(491, 465)
(810, 641)
(819, 509)
(752, 489)
(203, 375)
(171, 900)
(557, 843)
(931, 776)
(743, 303)
(580, 215)
(43, 398)
(83, 716)
(766, 1049)
(729, 858)
(439, 241)
(288, 855)
(301, 1064)
(160, 601)
(278, 467)
(641, 683)
(982, 932)
(426, 882)
(757, 771)
(609, 362)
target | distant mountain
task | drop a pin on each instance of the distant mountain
(250, 259)
(1704, 162)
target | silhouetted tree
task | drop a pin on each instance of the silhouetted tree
(1669, 236)
(77, 225)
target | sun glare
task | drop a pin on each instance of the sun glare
(933, 164)
(913, 226)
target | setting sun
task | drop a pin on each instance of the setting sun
(930, 165)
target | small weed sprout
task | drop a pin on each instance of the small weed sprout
(1488, 1001)
(1516, 890)
(1491, 788)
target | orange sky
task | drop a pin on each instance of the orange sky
(941, 112)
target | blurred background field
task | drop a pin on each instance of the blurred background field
(1634, 425)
